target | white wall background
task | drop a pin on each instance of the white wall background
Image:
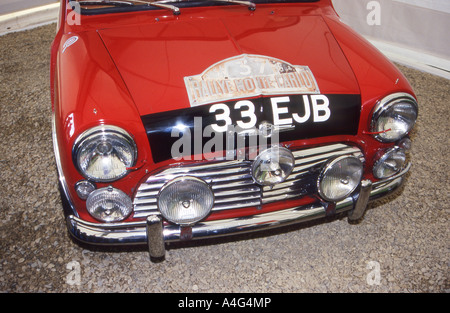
(10, 6)
(411, 32)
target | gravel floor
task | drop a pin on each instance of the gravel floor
(402, 245)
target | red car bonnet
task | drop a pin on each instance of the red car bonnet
(154, 58)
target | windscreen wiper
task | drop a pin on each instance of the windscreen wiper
(251, 6)
(160, 4)
(174, 9)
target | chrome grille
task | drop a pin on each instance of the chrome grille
(233, 185)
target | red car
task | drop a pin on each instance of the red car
(188, 119)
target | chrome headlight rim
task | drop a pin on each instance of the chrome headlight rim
(328, 166)
(385, 105)
(103, 130)
(184, 179)
(281, 152)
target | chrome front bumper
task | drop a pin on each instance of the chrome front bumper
(155, 234)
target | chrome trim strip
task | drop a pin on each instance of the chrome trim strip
(61, 177)
(249, 202)
(107, 233)
(248, 224)
(136, 232)
(236, 192)
(145, 207)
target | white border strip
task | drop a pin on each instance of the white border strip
(416, 59)
(30, 18)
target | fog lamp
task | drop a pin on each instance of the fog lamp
(273, 166)
(339, 178)
(185, 200)
(390, 163)
(109, 204)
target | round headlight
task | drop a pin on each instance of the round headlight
(390, 163)
(109, 204)
(185, 200)
(394, 117)
(273, 166)
(104, 153)
(339, 178)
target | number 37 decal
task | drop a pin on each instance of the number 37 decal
(285, 110)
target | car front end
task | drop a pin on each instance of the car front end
(176, 121)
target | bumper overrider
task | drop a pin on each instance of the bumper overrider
(155, 233)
